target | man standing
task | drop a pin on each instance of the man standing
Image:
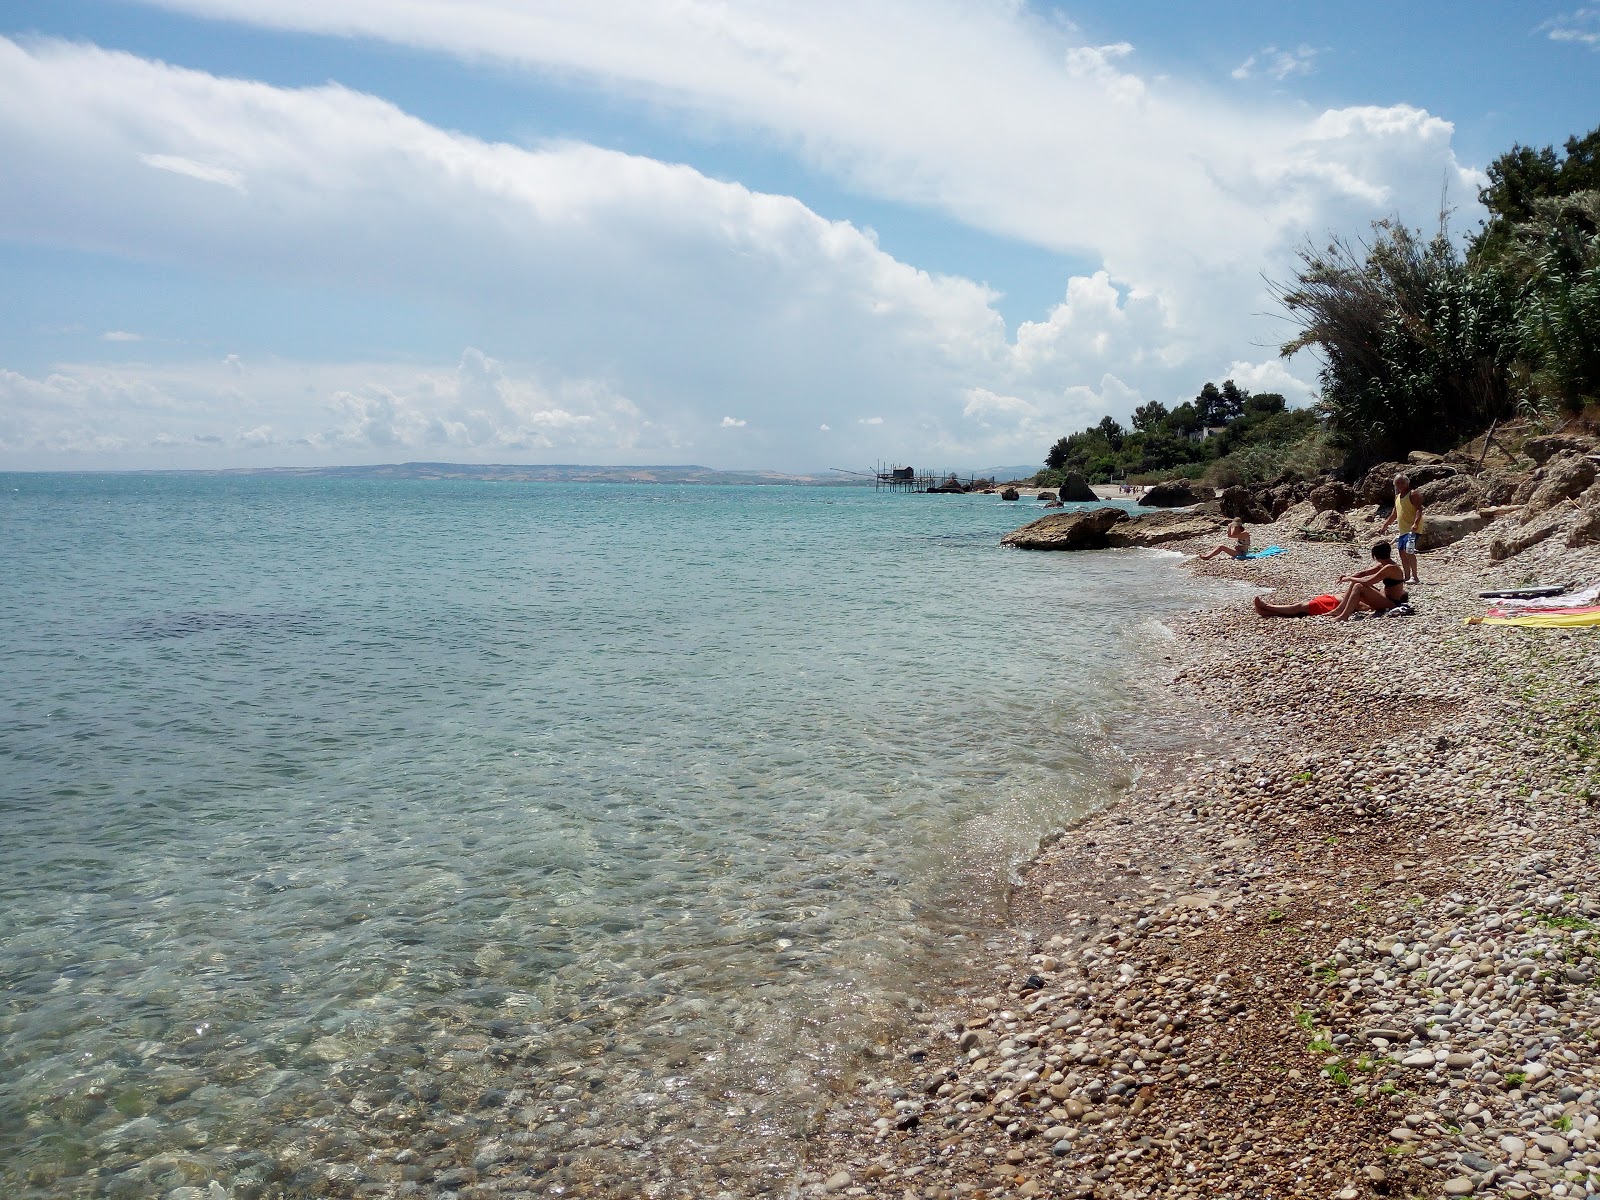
(1407, 518)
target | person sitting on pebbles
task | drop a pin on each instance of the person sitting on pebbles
(1377, 589)
(1238, 548)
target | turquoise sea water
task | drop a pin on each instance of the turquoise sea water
(371, 837)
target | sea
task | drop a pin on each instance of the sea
(381, 837)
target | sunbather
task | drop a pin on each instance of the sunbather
(1238, 548)
(1377, 589)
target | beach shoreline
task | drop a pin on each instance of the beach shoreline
(1340, 948)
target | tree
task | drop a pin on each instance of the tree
(1148, 418)
(1209, 405)
(1184, 421)
(1111, 431)
(1233, 402)
(1265, 404)
(1522, 177)
(1056, 457)
(1555, 262)
(1416, 345)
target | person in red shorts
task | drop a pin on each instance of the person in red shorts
(1377, 589)
(1314, 607)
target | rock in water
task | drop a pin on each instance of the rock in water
(1076, 488)
(1083, 530)
(1152, 529)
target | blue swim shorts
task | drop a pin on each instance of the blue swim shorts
(1406, 543)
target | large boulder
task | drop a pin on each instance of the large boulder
(1499, 487)
(1445, 529)
(1176, 493)
(1377, 485)
(1542, 449)
(1241, 503)
(1152, 529)
(1328, 525)
(1455, 494)
(1281, 497)
(1586, 530)
(1084, 529)
(1507, 545)
(1566, 475)
(1333, 496)
(1076, 488)
(1010, 493)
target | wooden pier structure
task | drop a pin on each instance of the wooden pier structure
(890, 477)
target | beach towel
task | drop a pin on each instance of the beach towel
(1543, 620)
(1588, 596)
(1264, 552)
(1576, 610)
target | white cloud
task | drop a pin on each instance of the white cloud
(824, 428)
(120, 335)
(357, 412)
(687, 293)
(1278, 64)
(1582, 26)
(870, 421)
(204, 172)
(732, 423)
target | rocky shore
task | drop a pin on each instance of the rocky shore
(1349, 946)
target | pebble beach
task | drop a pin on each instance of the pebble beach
(1344, 946)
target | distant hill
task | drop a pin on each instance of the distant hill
(556, 473)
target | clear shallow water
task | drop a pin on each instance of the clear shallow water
(363, 833)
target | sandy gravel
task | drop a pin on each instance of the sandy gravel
(1345, 948)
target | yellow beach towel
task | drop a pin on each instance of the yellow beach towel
(1547, 621)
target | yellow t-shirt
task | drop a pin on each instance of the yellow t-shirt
(1405, 512)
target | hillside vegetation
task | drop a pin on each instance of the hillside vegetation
(1424, 341)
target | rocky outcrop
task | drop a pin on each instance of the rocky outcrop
(1454, 494)
(1328, 526)
(1152, 529)
(1176, 493)
(1542, 449)
(1562, 477)
(1505, 546)
(1082, 530)
(1010, 494)
(1586, 530)
(1241, 503)
(1047, 495)
(1333, 496)
(1075, 488)
(1283, 494)
(1445, 529)
(1377, 485)
(1498, 486)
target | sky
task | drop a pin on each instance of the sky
(744, 234)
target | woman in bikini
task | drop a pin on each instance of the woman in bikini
(1240, 546)
(1379, 588)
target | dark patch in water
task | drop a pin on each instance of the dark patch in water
(188, 624)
